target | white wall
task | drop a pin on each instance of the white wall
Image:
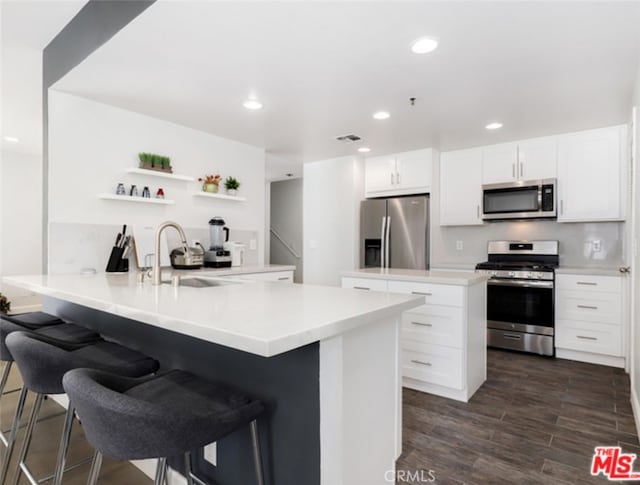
(635, 270)
(20, 223)
(332, 191)
(92, 144)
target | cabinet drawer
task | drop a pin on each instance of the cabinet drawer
(364, 284)
(589, 283)
(434, 324)
(589, 306)
(434, 294)
(432, 363)
(599, 338)
(286, 276)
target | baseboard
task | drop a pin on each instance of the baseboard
(635, 406)
(590, 358)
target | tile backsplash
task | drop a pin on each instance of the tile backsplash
(577, 246)
(74, 248)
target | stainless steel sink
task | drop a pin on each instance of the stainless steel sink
(199, 282)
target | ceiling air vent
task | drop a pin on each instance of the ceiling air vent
(348, 138)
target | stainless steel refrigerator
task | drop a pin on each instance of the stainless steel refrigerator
(394, 233)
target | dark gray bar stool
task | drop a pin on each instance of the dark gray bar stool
(158, 417)
(44, 324)
(43, 361)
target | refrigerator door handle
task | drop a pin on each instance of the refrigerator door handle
(386, 242)
(382, 241)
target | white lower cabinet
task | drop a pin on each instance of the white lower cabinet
(283, 276)
(590, 322)
(443, 342)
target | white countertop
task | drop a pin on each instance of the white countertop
(598, 271)
(438, 277)
(263, 318)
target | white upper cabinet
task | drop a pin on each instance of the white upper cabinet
(399, 174)
(591, 175)
(525, 160)
(499, 163)
(537, 158)
(461, 188)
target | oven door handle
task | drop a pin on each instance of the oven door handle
(521, 283)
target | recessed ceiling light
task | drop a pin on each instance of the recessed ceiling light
(364, 149)
(381, 115)
(424, 45)
(252, 104)
(493, 126)
(12, 139)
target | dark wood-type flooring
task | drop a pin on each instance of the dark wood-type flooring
(535, 421)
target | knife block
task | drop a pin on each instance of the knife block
(117, 264)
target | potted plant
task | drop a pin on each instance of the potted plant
(165, 164)
(232, 185)
(210, 183)
(145, 160)
(5, 304)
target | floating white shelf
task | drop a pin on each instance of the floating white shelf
(165, 175)
(219, 196)
(129, 198)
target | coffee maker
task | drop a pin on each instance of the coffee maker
(217, 256)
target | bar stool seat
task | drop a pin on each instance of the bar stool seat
(158, 416)
(43, 324)
(43, 361)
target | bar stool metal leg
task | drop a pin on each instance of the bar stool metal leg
(257, 454)
(3, 383)
(187, 468)
(161, 471)
(64, 445)
(27, 438)
(11, 440)
(96, 464)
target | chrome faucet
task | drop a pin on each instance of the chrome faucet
(157, 272)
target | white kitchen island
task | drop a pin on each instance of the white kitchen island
(324, 360)
(443, 342)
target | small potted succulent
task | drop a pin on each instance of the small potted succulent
(146, 160)
(232, 185)
(210, 183)
(5, 304)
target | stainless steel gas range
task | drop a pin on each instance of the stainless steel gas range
(520, 295)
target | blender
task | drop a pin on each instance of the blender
(217, 256)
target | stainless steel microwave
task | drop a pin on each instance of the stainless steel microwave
(532, 199)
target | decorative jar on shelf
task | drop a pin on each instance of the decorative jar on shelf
(211, 188)
(232, 191)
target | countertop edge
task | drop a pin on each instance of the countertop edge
(456, 280)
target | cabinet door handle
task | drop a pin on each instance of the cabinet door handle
(587, 283)
(423, 293)
(521, 170)
(588, 307)
(478, 211)
(584, 337)
(561, 207)
(398, 178)
(282, 278)
(428, 364)
(422, 324)
(391, 178)
(361, 288)
(513, 170)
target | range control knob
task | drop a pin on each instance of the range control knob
(512, 274)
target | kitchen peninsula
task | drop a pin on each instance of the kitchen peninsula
(324, 360)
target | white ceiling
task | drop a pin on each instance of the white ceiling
(27, 27)
(322, 68)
